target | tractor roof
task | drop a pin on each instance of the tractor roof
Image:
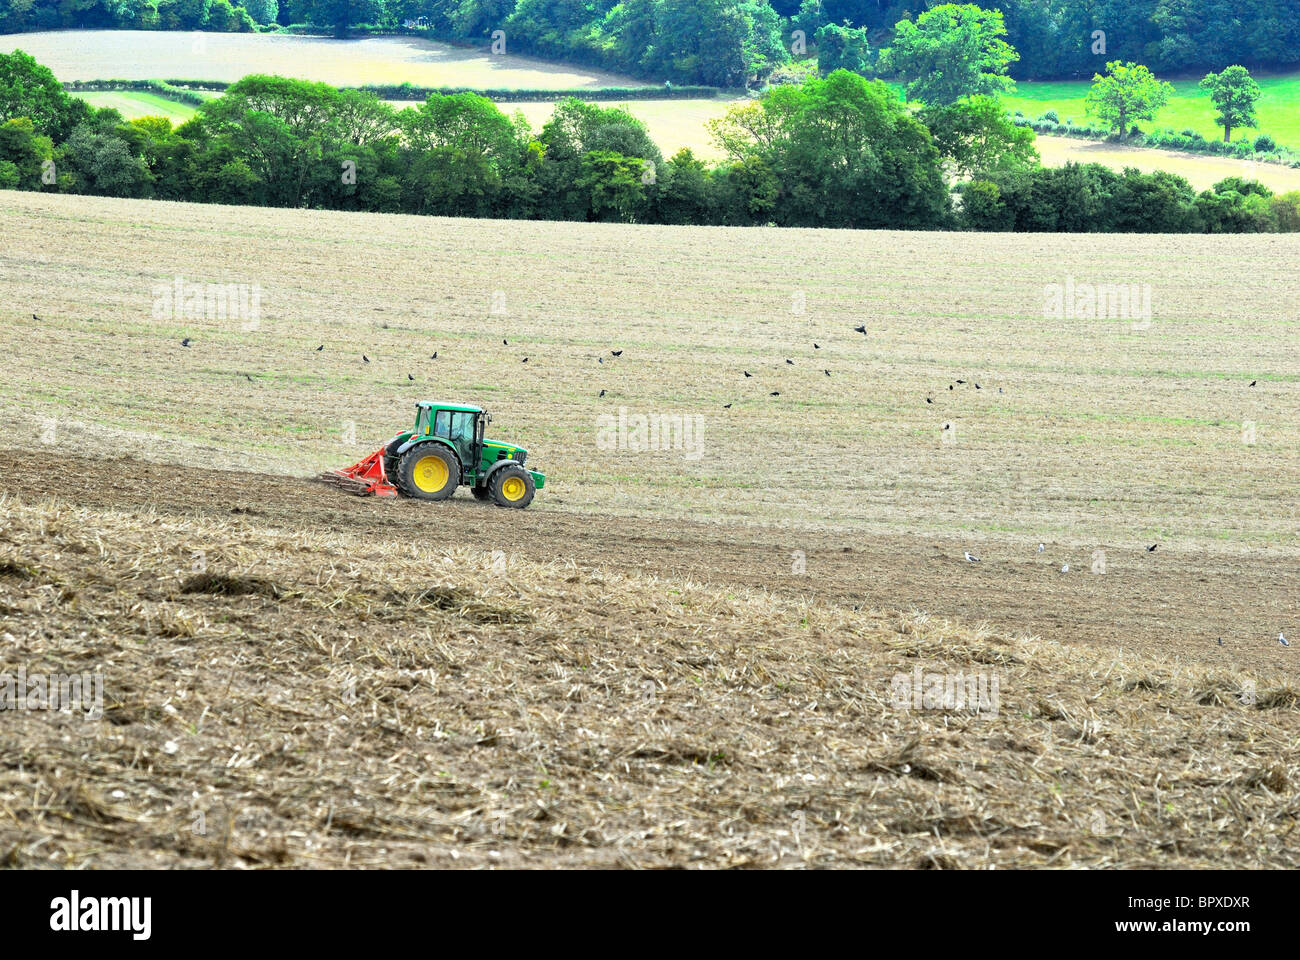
(438, 405)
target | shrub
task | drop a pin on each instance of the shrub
(1050, 115)
(1265, 144)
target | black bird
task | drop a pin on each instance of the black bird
(320, 348)
(185, 342)
(726, 406)
(862, 329)
(1221, 641)
(435, 355)
(817, 346)
(791, 362)
(617, 353)
(946, 426)
(775, 393)
(977, 386)
(365, 358)
(1152, 548)
(525, 360)
(748, 374)
(409, 377)
(950, 386)
(36, 318)
(827, 372)
(1253, 382)
(602, 393)
(961, 381)
(250, 379)
(505, 342)
(928, 400)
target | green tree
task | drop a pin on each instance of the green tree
(342, 15)
(24, 150)
(101, 163)
(28, 89)
(952, 51)
(614, 184)
(263, 11)
(1235, 93)
(842, 48)
(1128, 92)
(979, 137)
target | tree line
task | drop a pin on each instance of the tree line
(840, 151)
(733, 42)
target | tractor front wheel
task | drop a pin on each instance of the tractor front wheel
(429, 472)
(512, 487)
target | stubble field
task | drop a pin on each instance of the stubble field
(778, 557)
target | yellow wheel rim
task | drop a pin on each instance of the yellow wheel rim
(430, 474)
(513, 489)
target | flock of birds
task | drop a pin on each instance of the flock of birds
(862, 329)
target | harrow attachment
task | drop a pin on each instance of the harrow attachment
(364, 478)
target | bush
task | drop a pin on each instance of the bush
(1265, 144)
(1050, 115)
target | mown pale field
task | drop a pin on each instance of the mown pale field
(161, 54)
(1083, 429)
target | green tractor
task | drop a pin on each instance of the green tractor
(446, 448)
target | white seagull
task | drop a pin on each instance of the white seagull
(970, 559)
(1065, 569)
(1283, 640)
(1040, 548)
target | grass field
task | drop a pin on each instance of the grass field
(670, 659)
(1189, 109)
(136, 103)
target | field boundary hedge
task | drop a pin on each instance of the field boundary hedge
(183, 91)
(1165, 139)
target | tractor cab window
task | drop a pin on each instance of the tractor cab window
(442, 424)
(422, 421)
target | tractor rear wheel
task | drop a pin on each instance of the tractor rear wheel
(512, 487)
(429, 472)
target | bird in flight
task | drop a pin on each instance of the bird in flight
(969, 558)
(726, 406)
(775, 393)
(1152, 548)
(862, 329)
(617, 353)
